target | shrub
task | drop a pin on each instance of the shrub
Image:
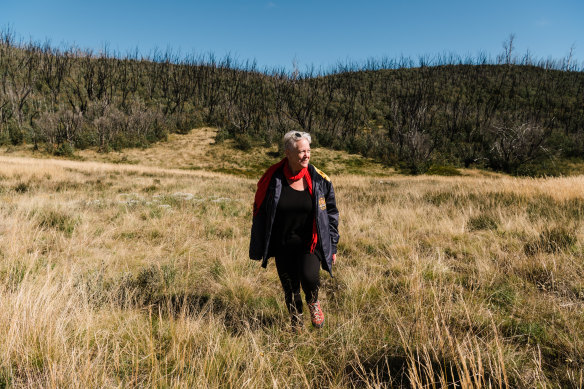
(4, 137)
(21, 187)
(16, 134)
(242, 142)
(221, 135)
(324, 139)
(64, 150)
(440, 170)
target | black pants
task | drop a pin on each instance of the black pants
(295, 271)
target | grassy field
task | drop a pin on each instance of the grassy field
(125, 270)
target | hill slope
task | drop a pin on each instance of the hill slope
(198, 150)
(517, 118)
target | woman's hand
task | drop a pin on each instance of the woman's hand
(334, 258)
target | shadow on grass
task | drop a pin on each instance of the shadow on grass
(153, 289)
(237, 320)
(399, 368)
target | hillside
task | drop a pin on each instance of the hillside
(131, 273)
(198, 151)
(521, 117)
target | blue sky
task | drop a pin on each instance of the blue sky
(320, 33)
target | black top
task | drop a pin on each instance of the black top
(292, 230)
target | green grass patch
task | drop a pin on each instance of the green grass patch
(525, 331)
(502, 295)
(483, 221)
(441, 170)
(552, 240)
(57, 219)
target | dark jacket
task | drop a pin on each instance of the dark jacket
(327, 218)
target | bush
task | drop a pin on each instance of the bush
(16, 134)
(324, 139)
(64, 150)
(4, 137)
(221, 135)
(242, 142)
(21, 187)
(545, 168)
(440, 170)
(414, 168)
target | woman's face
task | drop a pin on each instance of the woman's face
(299, 156)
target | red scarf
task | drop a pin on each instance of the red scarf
(264, 182)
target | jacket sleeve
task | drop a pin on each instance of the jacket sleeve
(333, 217)
(258, 232)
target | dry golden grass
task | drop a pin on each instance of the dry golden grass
(121, 275)
(198, 151)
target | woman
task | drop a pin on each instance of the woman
(295, 220)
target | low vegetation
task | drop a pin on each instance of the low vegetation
(131, 272)
(199, 150)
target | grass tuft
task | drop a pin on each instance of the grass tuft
(552, 240)
(483, 221)
(57, 219)
(21, 187)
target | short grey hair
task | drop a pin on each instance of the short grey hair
(291, 137)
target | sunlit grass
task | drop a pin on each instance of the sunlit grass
(120, 275)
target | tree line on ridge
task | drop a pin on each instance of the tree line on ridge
(517, 115)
